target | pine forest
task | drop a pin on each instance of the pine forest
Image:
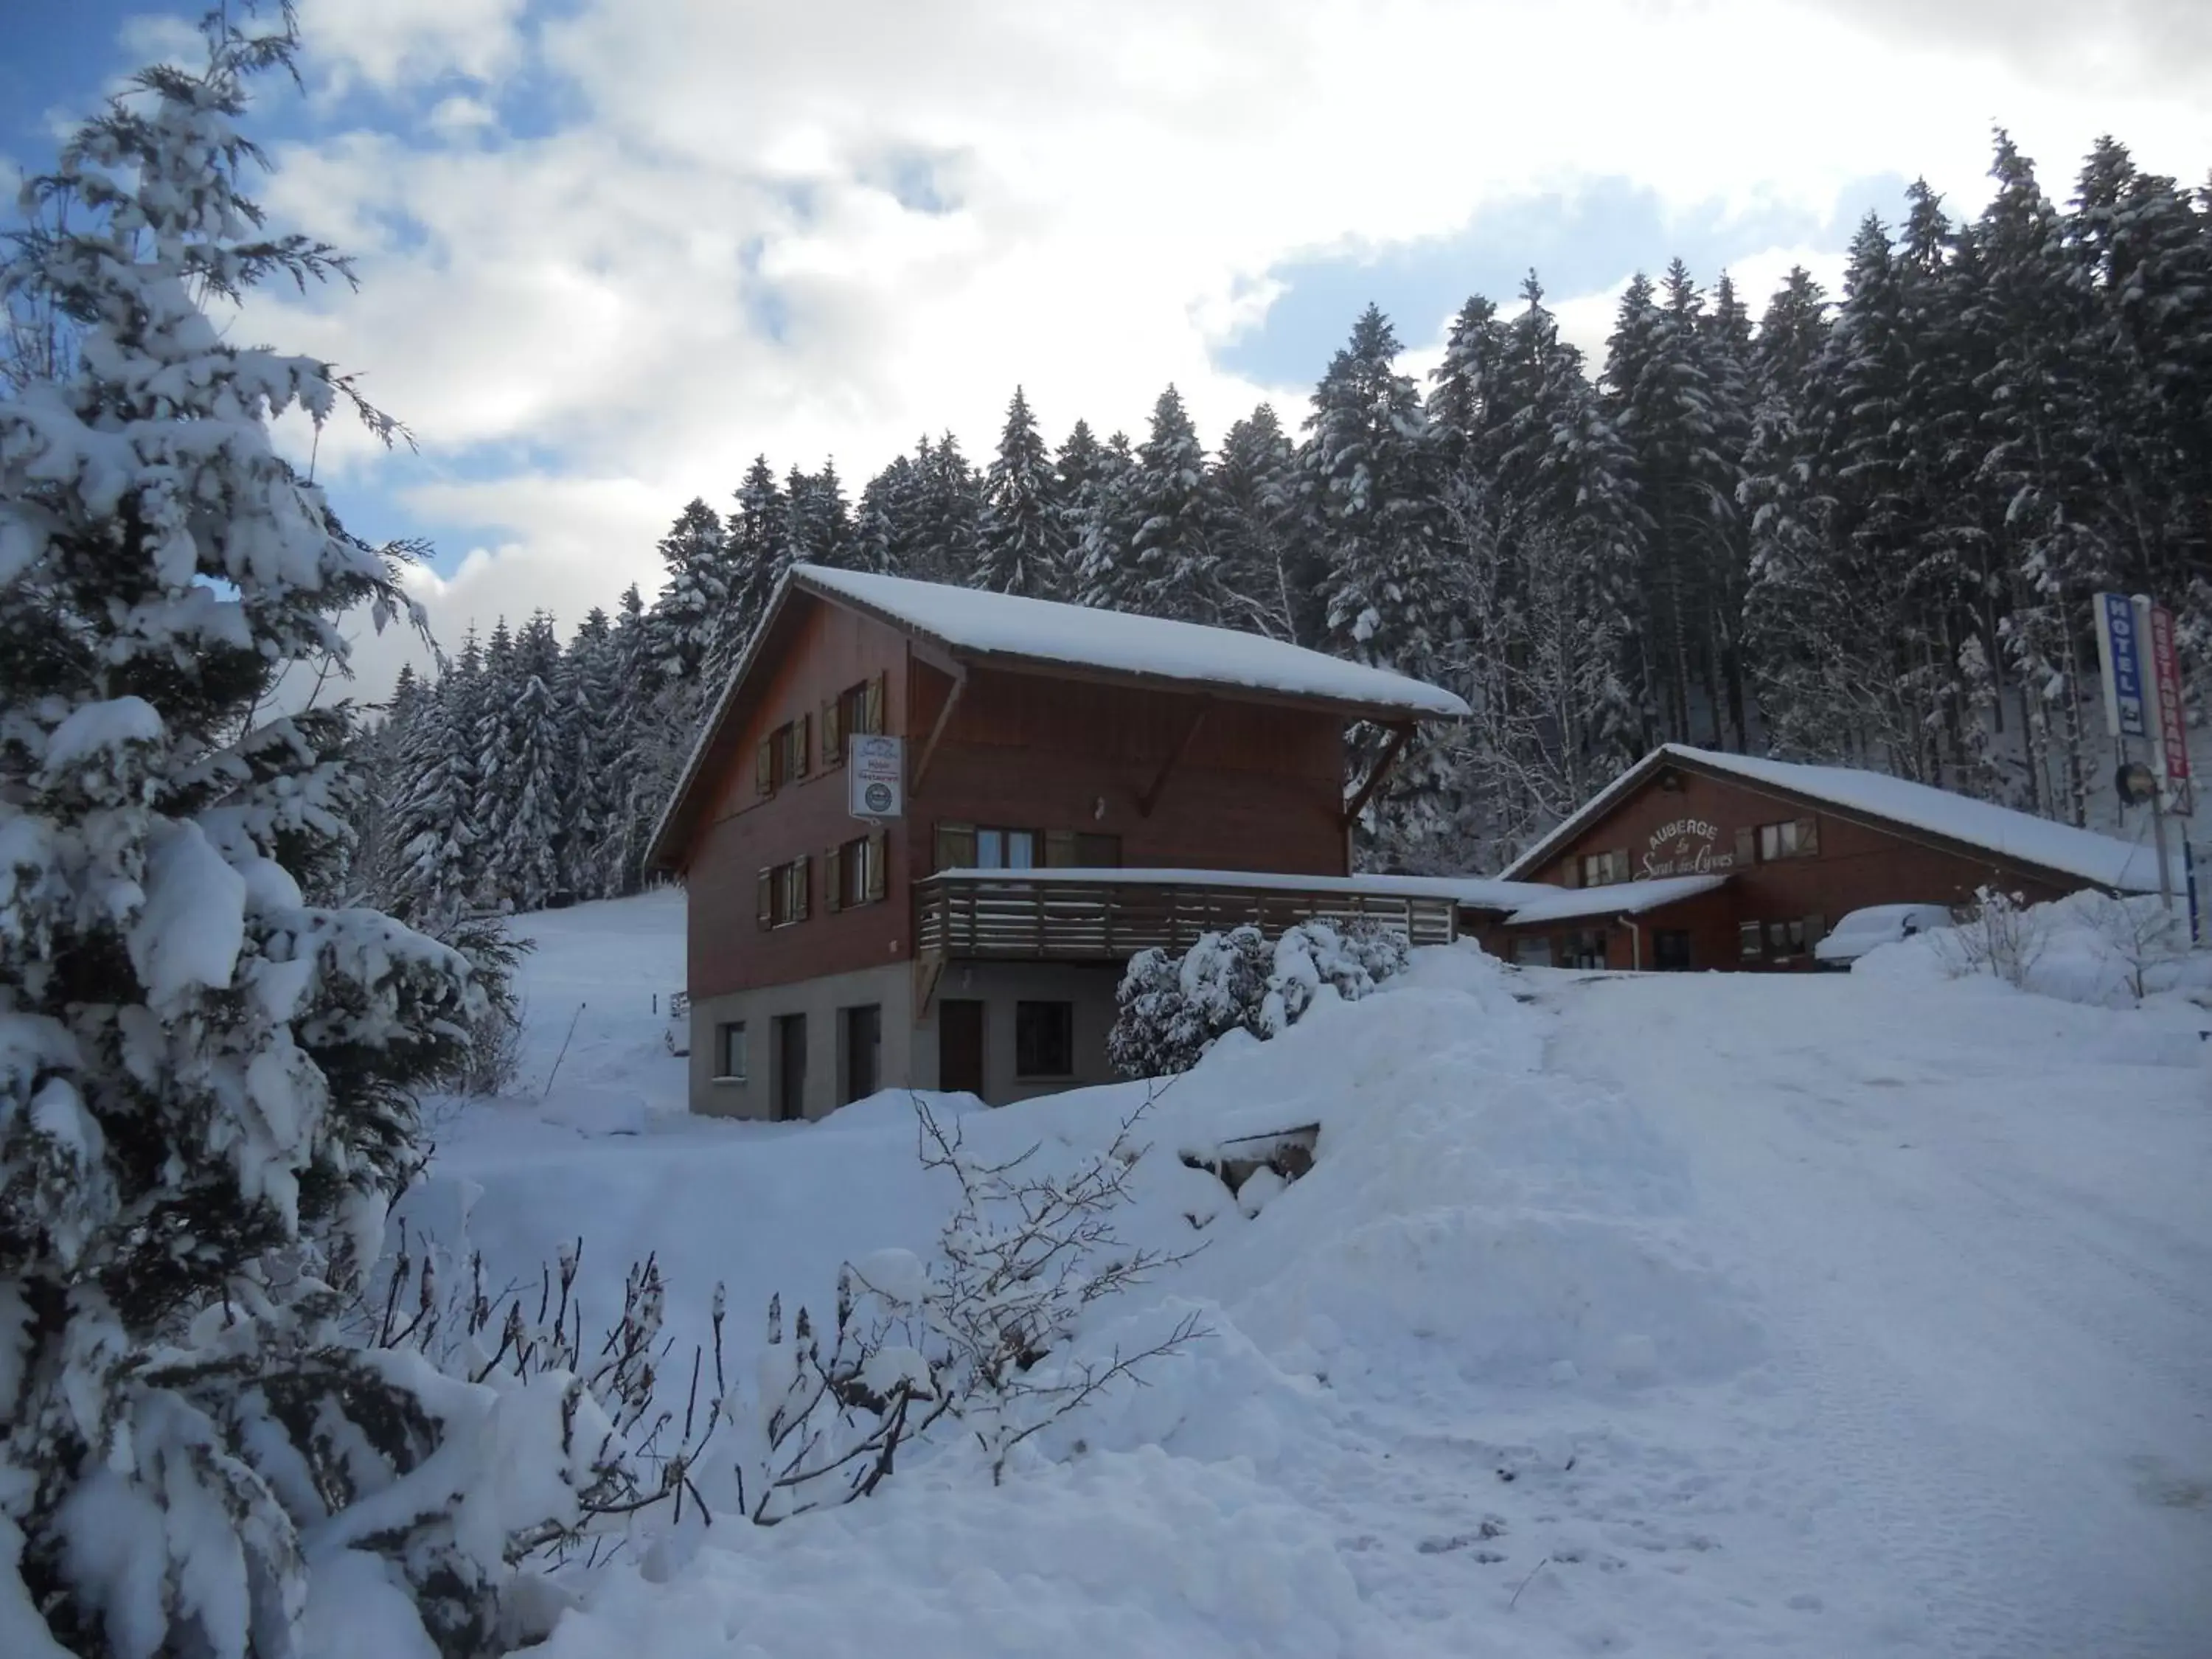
(1861, 527)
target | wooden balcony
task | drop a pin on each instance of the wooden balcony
(1109, 915)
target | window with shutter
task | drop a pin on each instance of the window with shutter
(767, 899)
(833, 747)
(764, 768)
(1809, 836)
(1059, 849)
(834, 877)
(878, 849)
(801, 869)
(1571, 872)
(802, 746)
(956, 847)
(875, 706)
(1747, 846)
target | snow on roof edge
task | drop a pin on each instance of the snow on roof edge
(2005, 832)
(1620, 898)
(1116, 641)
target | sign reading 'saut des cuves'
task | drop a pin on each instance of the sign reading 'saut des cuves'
(1688, 846)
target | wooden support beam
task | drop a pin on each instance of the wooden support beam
(937, 734)
(1151, 798)
(1400, 737)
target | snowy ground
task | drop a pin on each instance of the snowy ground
(1668, 1316)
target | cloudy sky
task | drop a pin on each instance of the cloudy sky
(610, 249)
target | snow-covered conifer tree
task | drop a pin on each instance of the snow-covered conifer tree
(1262, 585)
(204, 1081)
(1022, 542)
(1372, 470)
(1155, 551)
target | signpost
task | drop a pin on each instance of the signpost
(2173, 721)
(2117, 655)
(2147, 705)
(876, 768)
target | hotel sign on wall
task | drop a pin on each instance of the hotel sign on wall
(878, 768)
(1688, 846)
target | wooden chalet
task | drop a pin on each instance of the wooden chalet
(1697, 858)
(1073, 785)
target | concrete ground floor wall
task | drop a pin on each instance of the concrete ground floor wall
(800, 1054)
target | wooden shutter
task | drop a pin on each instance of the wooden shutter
(878, 850)
(764, 768)
(833, 747)
(873, 718)
(833, 879)
(802, 746)
(1746, 848)
(802, 870)
(1571, 870)
(1809, 837)
(956, 846)
(1623, 863)
(1059, 849)
(1095, 851)
(767, 913)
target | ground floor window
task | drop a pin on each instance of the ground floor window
(1751, 940)
(730, 1051)
(1670, 949)
(1584, 948)
(1044, 1039)
(1792, 937)
(1532, 952)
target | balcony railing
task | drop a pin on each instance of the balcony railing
(1109, 915)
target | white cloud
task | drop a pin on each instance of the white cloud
(387, 42)
(1120, 179)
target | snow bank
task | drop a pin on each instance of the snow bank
(1512, 1334)
(1130, 1556)
(2088, 947)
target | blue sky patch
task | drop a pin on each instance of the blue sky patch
(1578, 242)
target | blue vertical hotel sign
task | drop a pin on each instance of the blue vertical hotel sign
(2121, 653)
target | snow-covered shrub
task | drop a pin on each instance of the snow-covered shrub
(1170, 1009)
(2088, 947)
(207, 1083)
(2001, 935)
(1350, 960)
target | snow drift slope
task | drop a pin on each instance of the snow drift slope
(1581, 1306)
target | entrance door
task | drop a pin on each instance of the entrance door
(960, 1047)
(1670, 949)
(864, 1031)
(790, 1067)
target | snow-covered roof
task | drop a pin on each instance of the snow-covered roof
(1620, 898)
(976, 623)
(1475, 892)
(1131, 875)
(1040, 634)
(2017, 837)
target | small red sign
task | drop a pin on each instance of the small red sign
(2166, 687)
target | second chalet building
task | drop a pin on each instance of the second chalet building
(1072, 786)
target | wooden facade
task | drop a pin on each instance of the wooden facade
(1010, 766)
(1785, 885)
(1168, 780)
